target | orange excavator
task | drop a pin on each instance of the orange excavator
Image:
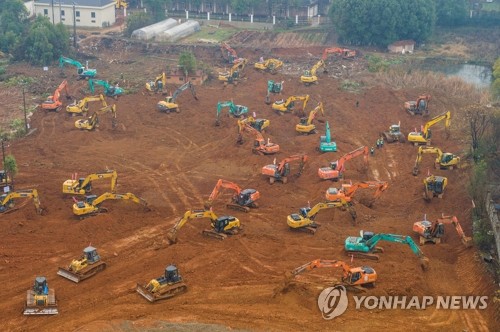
(53, 103)
(434, 231)
(242, 200)
(281, 171)
(229, 54)
(353, 278)
(337, 168)
(344, 52)
(260, 146)
(347, 191)
(419, 107)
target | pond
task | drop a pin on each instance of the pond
(478, 75)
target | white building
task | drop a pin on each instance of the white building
(87, 13)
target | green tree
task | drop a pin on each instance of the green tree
(44, 42)
(156, 8)
(13, 18)
(381, 22)
(10, 166)
(495, 86)
(136, 21)
(452, 12)
(187, 60)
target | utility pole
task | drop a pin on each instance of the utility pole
(52, 2)
(74, 26)
(24, 108)
(60, 10)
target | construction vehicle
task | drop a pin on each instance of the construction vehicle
(83, 186)
(273, 87)
(325, 142)
(419, 107)
(337, 168)
(309, 76)
(109, 90)
(281, 171)
(270, 65)
(221, 227)
(288, 105)
(169, 104)
(353, 278)
(230, 54)
(434, 186)
(434, 231)
(258, 124)
(365, 246)
(92, 121)
(91, 206)
(260, 146)
(157, 84)
(40, 299)
(164, 287)
(83, 72)
(4, 179)
(82, 106)
(88, 265)
(394, 134)
(306, 125)
(242, 200)
(235, 111)
(54, 103)
(443, 160)
(234, 74)
(7, 200)
(120, 4)
(424, 136)
(346, 193)
(304, 220)
(343, 52)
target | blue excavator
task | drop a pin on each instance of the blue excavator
(365, 246)
(109, 90)
(234, 110)
(82, 71)
(273, 87)
(326, 144)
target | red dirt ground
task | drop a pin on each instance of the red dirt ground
(174, 160)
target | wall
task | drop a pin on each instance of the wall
(104, 16)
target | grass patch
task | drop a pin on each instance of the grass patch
(491, 6)
(351, 86)
(212, 33)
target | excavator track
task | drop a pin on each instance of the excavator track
(166, 292)
(311, 229)
(366, 255)
(238, 207)
(83, 274)
(213, 234)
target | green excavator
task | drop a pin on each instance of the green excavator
(234, 110)
(109, 90)
(82, 71)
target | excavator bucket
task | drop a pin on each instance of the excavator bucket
(172, 236)
(467, 241)
(424, 263)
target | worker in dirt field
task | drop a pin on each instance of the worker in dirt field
(381, 142)
(378, 143)
(372, 150)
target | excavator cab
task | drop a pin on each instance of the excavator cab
(447, 157)
(221, 223)
(246, 197)
(360, 275)
(87, 188)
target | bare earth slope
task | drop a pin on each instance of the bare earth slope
(174, 160)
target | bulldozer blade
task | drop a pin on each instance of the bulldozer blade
(68, 275)
(145, 293)
(36, 310)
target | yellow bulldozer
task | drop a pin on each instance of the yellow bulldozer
(164, 287)
(83, 268)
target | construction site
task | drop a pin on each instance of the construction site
(270, 195)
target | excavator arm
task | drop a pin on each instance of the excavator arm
(91, 205)
(320, 263)
(53, 103)
(337, 168)
(260, 145)
(229, 53)
(313, 113)
(348, 190)
(6, 203)
(466, 240)
(344, 52)
(83, 186)
(221, 184)
(82, 71)
(425, 135)
(109, 90)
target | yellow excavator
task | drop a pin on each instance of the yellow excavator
(92, 121)
(120, 4)
(434, 186)
(220, 226)
(91, 206)
(83, 186)
(164, 287)
(157, 85)
(234, 75)
(306, 125)
(353, 278)
(424, 136)
(287, 105)
(169, 104)
(7, 200)
(304, 220)
(88, 265)
(309, 76)
(81, 107)
(258, 124)
(443, 160)
(270, 65)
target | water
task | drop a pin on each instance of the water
(478, 75)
